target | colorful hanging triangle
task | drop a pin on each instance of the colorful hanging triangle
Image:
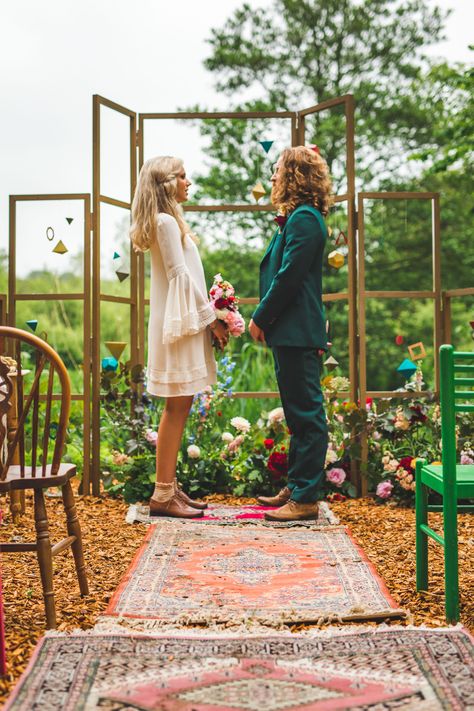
(258, 191)
(116, 348)
(60, 248)
(407, 368)
(331, 363)
(266, 145)
(116, 255)
(32, 323)
(69, 220)
(122, 275)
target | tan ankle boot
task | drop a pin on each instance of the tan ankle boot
(281, 498)
(175, 507)
(293, 511)
(194, 503)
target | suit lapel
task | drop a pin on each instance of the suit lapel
(270, 246)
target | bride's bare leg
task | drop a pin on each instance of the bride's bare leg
(170, 433)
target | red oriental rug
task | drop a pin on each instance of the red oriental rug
(189, 573)
(236, 515)
(371, 669)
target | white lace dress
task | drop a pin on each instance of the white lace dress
(180, 355)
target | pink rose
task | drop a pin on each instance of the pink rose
(466, 459)
(235, 322)
(336, 476)
(216, 292)
(384, 489)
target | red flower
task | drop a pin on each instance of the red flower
(282, 449)
(335, 497)
(268, 443)
(418, 414)
(278, 464)
(405, 463)
(219, 413)
(222, 303)
(368, 402)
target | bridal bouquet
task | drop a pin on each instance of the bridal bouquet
(224, 302)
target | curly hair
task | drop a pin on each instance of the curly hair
(156, 192)
(302, 178)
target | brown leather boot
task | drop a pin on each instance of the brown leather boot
(293, 511)
(281, 498)
(194, 503)
(173, 507)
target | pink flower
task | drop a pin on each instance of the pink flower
(235, 322)
(466, 459)
(384, 489)
(336, 476)
(216, 292)
(151, 436)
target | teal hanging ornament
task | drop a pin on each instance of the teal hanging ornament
(109, 364)
(407, 368)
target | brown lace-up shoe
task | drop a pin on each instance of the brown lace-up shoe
(194, 503)
(173, 507)
(293, 511)
(281, 498)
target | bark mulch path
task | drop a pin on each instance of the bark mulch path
(385, 533)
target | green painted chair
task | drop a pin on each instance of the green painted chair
(451, 480)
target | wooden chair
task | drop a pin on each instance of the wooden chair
(24, 463)
(451, 480)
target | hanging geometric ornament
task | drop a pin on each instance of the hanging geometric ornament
(331, 363)
(266, 145)
(49, 234)
(406, 368)
(417, 351)
(336, 259)
(32, 323)
(116, 348)
(109, 364)
(116, 255)
(258, 191)
(341, 237)
(60, 248)
(399, 340)
(69, 220)
(122, 275)
(329, 231)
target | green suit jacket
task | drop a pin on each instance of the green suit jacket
(291, 311)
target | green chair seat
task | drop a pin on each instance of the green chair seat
(432, 476)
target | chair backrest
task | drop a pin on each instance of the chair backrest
(456, 374)
(28, 401)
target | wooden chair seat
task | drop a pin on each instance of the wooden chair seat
(432, 476)
(14, 480)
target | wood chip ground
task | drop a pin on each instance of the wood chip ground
(385, 532)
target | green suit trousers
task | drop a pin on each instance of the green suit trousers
(298, 371)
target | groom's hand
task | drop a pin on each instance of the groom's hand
(256, 332)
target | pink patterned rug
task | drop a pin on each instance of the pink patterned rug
(186, 572)
(235, 515)
(393, 669)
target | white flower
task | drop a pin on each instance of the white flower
(227, 436)
(221, 314)
(193, 451)
(331, 457)
(240, 423)
(276, 415)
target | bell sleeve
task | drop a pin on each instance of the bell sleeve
(187, 309)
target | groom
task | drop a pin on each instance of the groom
(290, 319)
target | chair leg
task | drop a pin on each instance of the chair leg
(74, 529)
(45, 558)
(421, 514)
(451, 574)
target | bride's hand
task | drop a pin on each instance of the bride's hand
(220, 333)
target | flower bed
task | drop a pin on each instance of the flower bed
(226, 453)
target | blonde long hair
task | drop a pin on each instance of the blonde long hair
(302, 178)
(156, 192)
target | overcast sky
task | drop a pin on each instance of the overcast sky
(145, 54)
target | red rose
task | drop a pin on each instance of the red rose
(405, 463)
(335, 497)
(268, 443)
(278, 464)
(222, 303)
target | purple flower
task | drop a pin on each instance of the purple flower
(336, 476)
(384, 489)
